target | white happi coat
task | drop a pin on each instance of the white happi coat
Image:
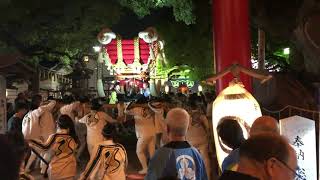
(160, 125)
(69, 108)
(47, 125)
(31, 127)
(63, 162)
(144, 122)
(108, 162)
(95, 122)
(197, 132)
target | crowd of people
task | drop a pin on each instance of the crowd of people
(174, 140)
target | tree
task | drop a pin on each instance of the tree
(186, 33)
(182, 9)
(294, 24)
(54, 30)
(287, 23)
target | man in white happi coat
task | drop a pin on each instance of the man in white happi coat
(198, 136)
(95, 122)
(31, 126)
(47, 128)
(160, 125)
(145, 132)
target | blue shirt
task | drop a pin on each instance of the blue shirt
(177, 159)
(231, 161)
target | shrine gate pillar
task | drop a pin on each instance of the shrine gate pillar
(231, 38)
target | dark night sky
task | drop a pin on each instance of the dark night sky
(130, 24)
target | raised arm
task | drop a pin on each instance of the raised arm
(48, 107)
(66, 109)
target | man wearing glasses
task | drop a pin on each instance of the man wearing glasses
(264, 157)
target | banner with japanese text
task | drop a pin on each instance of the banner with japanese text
(301, 134)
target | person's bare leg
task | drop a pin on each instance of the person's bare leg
(31, 159)
(151, 146)
(141, 153)
(43, 166)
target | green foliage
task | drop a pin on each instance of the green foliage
(55, 30)
(182, 9)
(275, 59)
(189, 44)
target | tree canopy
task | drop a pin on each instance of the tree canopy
(182, 9)
(54, 30)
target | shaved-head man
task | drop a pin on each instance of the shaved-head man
(265, 124)
(177, 158)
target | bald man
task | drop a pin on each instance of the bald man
(263, 124)
(177, 158)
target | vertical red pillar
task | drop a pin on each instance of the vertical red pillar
(231, 38)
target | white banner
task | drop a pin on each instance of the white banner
(301, 134)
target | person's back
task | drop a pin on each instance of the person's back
(109, 160)
(94, 124)
(231, 134)
(30, 124)
(63, 145)
(177, 158)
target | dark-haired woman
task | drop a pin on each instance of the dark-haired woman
(109, 160)
(62, 146)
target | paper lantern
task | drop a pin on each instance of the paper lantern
(234, 101)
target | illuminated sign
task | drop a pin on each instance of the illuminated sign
(234, 101)
(178, 82)
(301, 134)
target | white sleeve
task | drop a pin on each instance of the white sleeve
(67, 109)
(49, 107)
